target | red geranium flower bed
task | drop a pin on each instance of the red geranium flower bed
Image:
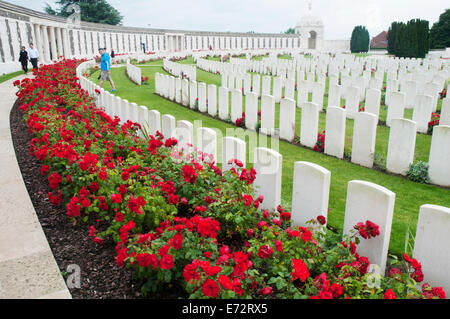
(177, 220)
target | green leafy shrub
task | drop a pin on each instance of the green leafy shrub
(418, 172)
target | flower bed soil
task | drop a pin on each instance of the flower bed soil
(101, 278)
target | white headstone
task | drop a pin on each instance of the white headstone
(224, 103)
(168, 126)
(396, 108)
(192, 94)
(289, 91)
(251, 111)
(303, 93)
(391, 86)
(266, 85)
(439, 160)
(185, 135)
(318, 92)
(364, 136)
(431, 246)
(402, 142)
(236, 105)
(207, 143)
(335, 131)
(411, 92)
(373, 101)
(233, 148)
(185, 92)
(202, 97)
(268, 114)
(310, 192)
(268, 166)
(256, 84)
(178, 90)
(212, 100)
(422, 112)
(352, 101)
(334, 95)
(445, 112)
(368, 201)
(277, 88)
(154, 121)
(309, 124)
(287, 119)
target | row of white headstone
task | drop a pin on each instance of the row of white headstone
(134, 73)
(402, 138)
(423, 85)
(177, 69)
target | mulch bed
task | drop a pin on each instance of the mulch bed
(101, 278)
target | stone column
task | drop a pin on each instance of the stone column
(81, 43)
(46, 43)
(54, 52)
(59, 41)
(66, 43)
(38, 45)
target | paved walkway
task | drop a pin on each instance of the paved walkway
(27, 266)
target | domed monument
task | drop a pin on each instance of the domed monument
(310, 29)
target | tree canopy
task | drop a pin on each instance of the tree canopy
(290, 31)
(360, 40)
(440, 32)
(98, 11)
(409, 40)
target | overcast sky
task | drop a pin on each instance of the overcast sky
(273, 16)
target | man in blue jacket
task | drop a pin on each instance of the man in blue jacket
(105, 67)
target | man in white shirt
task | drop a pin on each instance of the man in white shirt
(33, 55)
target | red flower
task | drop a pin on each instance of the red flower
(306, 236)
(265, 252)
(322, 220)
(176, 242)
(54, 180)
(207, 254)
(225, 282)
(266, 291)
(279, 246)
(119, 217)
(167, 262)
(190, 174)
(208, 227)
(389, 294)
(210, 288)
(125, 175)
(394, 271)
(170, 142)
(336, 290)
(300, 270)
(44, 169)
(189, 272)
(116, 198)
(102, 175)
(146, 260)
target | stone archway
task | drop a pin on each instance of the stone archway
(312, 40)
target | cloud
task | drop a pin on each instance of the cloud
(339, 16)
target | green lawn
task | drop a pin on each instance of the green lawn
(409, 195)
(8, 76)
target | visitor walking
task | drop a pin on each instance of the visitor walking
(33, 55)
(105, 68)
(23, 59)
